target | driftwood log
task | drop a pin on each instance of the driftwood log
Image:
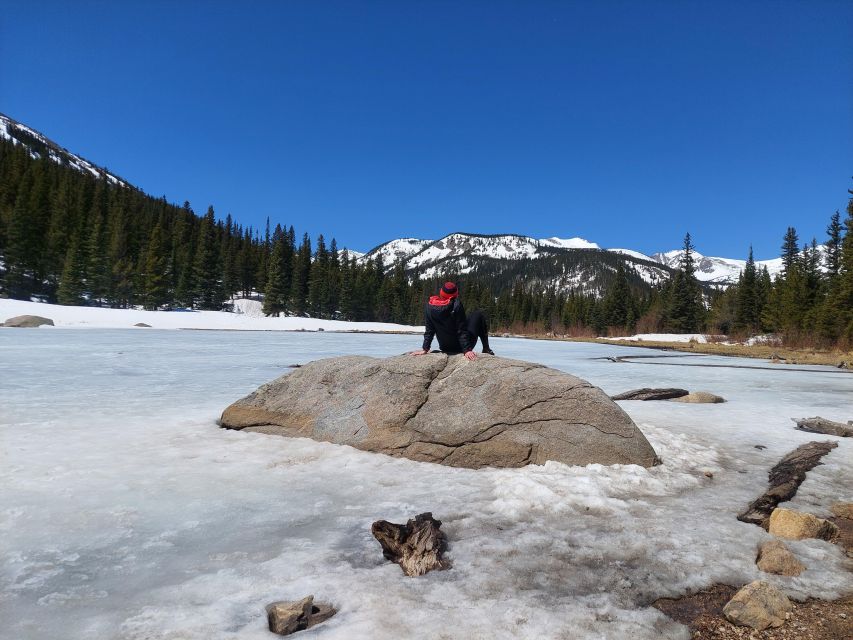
(785, 478)
(417, 546)
(651, 394)
(827, 427)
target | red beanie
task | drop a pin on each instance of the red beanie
(448, 291)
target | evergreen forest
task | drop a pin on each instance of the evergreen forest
(72, 238)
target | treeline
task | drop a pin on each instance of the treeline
(809, 302)
(73, 238)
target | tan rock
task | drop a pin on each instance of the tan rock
(796, 525)
(700, 397)
(285, 618)
(27, 322)
(843, 510)
(775, 557)
(758, 605)
(436, 408)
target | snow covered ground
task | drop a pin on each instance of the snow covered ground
(126, 513)
(247, 315)
(663, 337)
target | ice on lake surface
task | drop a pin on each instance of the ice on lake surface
(126, 513)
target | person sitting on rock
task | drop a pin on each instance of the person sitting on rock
(445, 319)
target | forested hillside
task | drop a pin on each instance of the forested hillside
(74, 234)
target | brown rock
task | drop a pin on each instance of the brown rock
(796, 525)
(27, 322)
(758, 605)
(285, 618)
(417, 546)
(700, 397)
(843, 510)
(651, 394)
(775, 557)
(437, 408)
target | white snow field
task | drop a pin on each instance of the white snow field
(247, 316)
(126, 513)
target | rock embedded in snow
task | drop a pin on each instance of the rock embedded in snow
(775, 557)
(700, 397)
(417, 546)
(285, 617)
(842, 510)
(651, 394)
(824, 426)
(492, 412)
(27, 322)
(143, 325)
(796, 525)
(758, 605)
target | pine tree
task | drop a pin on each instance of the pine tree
(790, 250)
(833, 244)
(685, 313)
(157, 276)
(301, 275)
(747, 310)
(206, 265)
(71, 285)
(278, 279)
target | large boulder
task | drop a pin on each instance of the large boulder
(27, 322)
(437, 408)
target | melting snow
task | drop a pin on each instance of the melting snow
(126, 513)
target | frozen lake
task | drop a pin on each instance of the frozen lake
(126, 513)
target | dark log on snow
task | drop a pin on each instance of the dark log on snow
(651, 394)
(827, 427)
(785, 478)
(417, 546)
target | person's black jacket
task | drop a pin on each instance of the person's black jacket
(446, 321)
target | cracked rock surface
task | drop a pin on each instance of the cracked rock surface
(492, 412)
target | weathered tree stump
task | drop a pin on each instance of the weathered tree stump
(651, 394)
(285, 617)
(417, 546)
(785, 478)
(827, 427)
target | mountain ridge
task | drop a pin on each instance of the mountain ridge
(39, 144)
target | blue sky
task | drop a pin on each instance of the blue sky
(627, 123)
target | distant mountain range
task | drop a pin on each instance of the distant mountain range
(574, 262)
(564, 263)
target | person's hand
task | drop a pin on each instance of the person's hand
(419, 352)
(471, 355)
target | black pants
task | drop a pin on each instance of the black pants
(478, 327)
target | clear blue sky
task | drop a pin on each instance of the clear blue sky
(627, 123)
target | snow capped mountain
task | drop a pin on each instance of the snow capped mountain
(39, 146)
(724, 271)
(563, 263)
(572, 263)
